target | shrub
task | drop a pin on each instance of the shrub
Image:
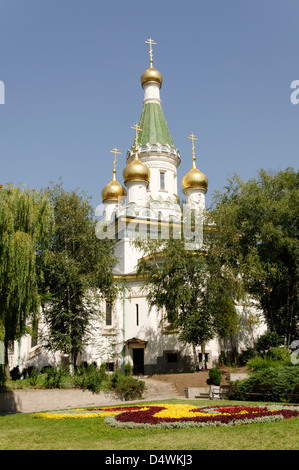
(54, 376)
(127, 387)
(275, 357)
(29, 372)
(283, 380)
(128, 369)
(15, 373)
(3, 377)
(215, 376)
(280, 353)
(90, 376)
(103, 371)
(34, 373)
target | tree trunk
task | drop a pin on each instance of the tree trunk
(203, 354)
(6, 364)
(233, 349)
(72, 362)
(196, 358)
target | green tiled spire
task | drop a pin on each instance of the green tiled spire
(154, 126)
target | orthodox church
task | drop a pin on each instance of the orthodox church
(127, 330)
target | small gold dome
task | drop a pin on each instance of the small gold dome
(195, 179)
(113, 190)
(151, 75)
(136, 171)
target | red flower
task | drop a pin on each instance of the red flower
(229, 414)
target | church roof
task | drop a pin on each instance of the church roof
(154, 126)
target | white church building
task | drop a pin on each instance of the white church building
(127, 331)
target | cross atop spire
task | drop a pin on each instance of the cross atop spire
(137, 129)
(192, 137)
(150, 42)
(115, 151)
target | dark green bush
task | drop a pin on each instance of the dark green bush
(215, 376)
(114, 378)
(90, 376)
(33, 377)
(283, 381)
(127, 387)
(15, 373)
(128, 369)
(29, 372)
(2, 376)
(54, 376)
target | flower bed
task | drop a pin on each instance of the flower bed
(179, 415)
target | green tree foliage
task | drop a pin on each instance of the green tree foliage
(227, 321)
(257, 232)
(78, 272)
(176, 281)
(268, 341)
(26, 221)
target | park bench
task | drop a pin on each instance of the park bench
(295, 393)
(215, 392)
(224, 389)
(203, 395)
(265, 392)
(261, 391)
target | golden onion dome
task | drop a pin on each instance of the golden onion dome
(195, 179)
(151, 75)
(136, 171)
(113, 190)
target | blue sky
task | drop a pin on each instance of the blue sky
(72, 68)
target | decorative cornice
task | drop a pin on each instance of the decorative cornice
(162, 165)
(156, 150)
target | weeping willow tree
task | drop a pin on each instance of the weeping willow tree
(26, 221)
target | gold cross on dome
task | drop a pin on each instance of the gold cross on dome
(192, 137)
(137, 129)
(115, 151)
(150, 42)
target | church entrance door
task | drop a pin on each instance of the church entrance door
(138, 361)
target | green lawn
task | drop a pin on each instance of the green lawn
(22, 432)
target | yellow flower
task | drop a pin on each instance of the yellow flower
(74, 414)
(179, 411)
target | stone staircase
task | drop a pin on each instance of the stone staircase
(159, 390)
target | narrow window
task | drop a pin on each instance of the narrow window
(108, 314)
(109, 366)
(137, 314)
(162, 180)
(172, 357)
(201, 357)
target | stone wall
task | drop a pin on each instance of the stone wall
(30, 401)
